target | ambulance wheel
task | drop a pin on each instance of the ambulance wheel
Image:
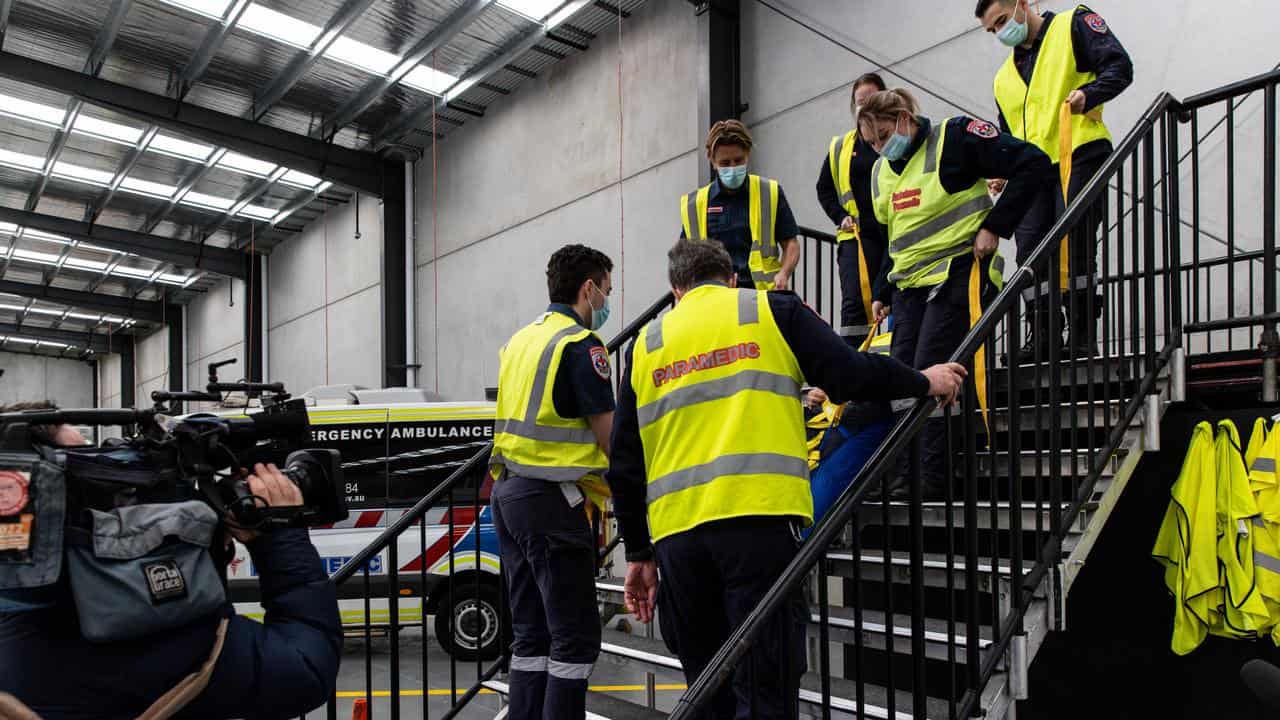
(472, 628)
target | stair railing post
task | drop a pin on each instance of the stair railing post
(1270, 344)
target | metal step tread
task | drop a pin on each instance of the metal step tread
(600, 706)
(844, 695)
(651, 651)
(932, 561)
(873, 621)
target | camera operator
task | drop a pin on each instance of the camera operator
(221, 666)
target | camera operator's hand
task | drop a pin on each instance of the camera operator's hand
(268, 483)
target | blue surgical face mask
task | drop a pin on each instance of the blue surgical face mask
(1013, 33)
(895, 148)
(601, 316)
(732, 177)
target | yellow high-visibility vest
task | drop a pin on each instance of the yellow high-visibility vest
(1033, 112)
(530, 438)
(1242, 612)
(839, 156)
(1261, 458)
(762, 201)
(928, 227)
(718, 403)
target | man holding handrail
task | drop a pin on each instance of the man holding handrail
(1051, 90)
(710, 473)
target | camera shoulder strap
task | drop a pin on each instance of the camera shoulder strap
(190, 686)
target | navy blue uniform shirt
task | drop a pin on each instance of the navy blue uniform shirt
(826, 361)
(729, 221)
(1098, 51)
(874, 244)
(583, 385)
(973, 150)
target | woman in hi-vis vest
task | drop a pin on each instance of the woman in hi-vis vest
(929, 190)
(747, 213)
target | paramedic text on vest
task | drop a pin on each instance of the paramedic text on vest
(747, 213)
(551, 441)
(929, 190)
(844, 192)
(709, 470)
(1072, 57)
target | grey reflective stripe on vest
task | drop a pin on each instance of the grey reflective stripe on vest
(768, 245)
(718, 389)
(569, 671)
(951, 252)
(753, 463)
(940, 223)
(875, 179)
(1264, 464)
(846, 198)
(854, 330)
(548, 473)
(1266, 561)
(931, 149)
(653, 335)
(529, 664)
(1259, 522)
(837, 171)
(695, 222)
(748, 307)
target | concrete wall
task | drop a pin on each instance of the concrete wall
(151, 366)
(541, 170)
(325, 302)
(109, 381)
(215, 332)
(27, 378)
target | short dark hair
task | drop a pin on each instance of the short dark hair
(572, 265)
(983, 5)
(690, 262)
(870, 78)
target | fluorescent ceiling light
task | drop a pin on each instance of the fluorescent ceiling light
(279, 26)
(9, 228)
(209, 8)
(107, 130)
(461, 87)
(209, 201)
(84, 174)
(170, 145)
(257, 211)
(83, 264)
(172, 279)
(536, 9)
(34, 256)
(429, 80)
(300, 179)
(246, 164)
(366, 57)
(146, 187)
(133, 272)
(35, 112)
(21, 160)
(42, 235)
(22, 341)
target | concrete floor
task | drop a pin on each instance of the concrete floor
(612, 675)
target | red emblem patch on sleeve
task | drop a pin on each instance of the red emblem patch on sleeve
(983, 129)
(600, 362)
(1096, 23)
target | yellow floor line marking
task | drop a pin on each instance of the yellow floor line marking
(437, 692)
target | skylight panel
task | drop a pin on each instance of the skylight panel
(536, 9)
(208, 201)
(300, 179)
(21, 340)
(365, 57)
(21, 160)
(172, 279)
(35, 112)
(246, 164)
(170, 145)
(35, 256)
(83, 174)
(429, 80)
(82, 264)
(8, 228)
(257, 211)
(279, 26)
(132, 272)
(209, 8)
(107, 130)
(146, 187)
(561, 15)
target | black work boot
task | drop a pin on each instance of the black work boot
(1082, 337)
(1040, 339)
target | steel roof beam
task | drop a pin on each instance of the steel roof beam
(400, 126)
(5, 7)
(97, 342)
(150, 311)
(437, 38)
(357, 169)
(303, 61)
(216, 260)
(209, 48)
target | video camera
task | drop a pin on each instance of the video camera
(139, 517)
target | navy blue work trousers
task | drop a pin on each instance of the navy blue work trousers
(712, 576)
(548, 558)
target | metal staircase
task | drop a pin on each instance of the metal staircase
(937, 609)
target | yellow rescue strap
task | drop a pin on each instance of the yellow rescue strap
(864, 280)
(979, 357)
(1064, 174)
(866, 342)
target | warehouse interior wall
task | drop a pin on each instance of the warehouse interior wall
(66, 382)
(151, 365)
(215, 332)
(109, 381)
(324, 303)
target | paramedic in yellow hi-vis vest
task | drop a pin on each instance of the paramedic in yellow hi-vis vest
(844, 192)
(710, 471)
(1070, 58)
(747, 213)
(929, 190)
(551, 442)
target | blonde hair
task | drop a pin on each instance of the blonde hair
(728, 132)
(888, 105)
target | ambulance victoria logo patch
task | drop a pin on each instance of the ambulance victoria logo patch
(600, 362)
(983, 129)
(164, 581)
(1096, 23)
